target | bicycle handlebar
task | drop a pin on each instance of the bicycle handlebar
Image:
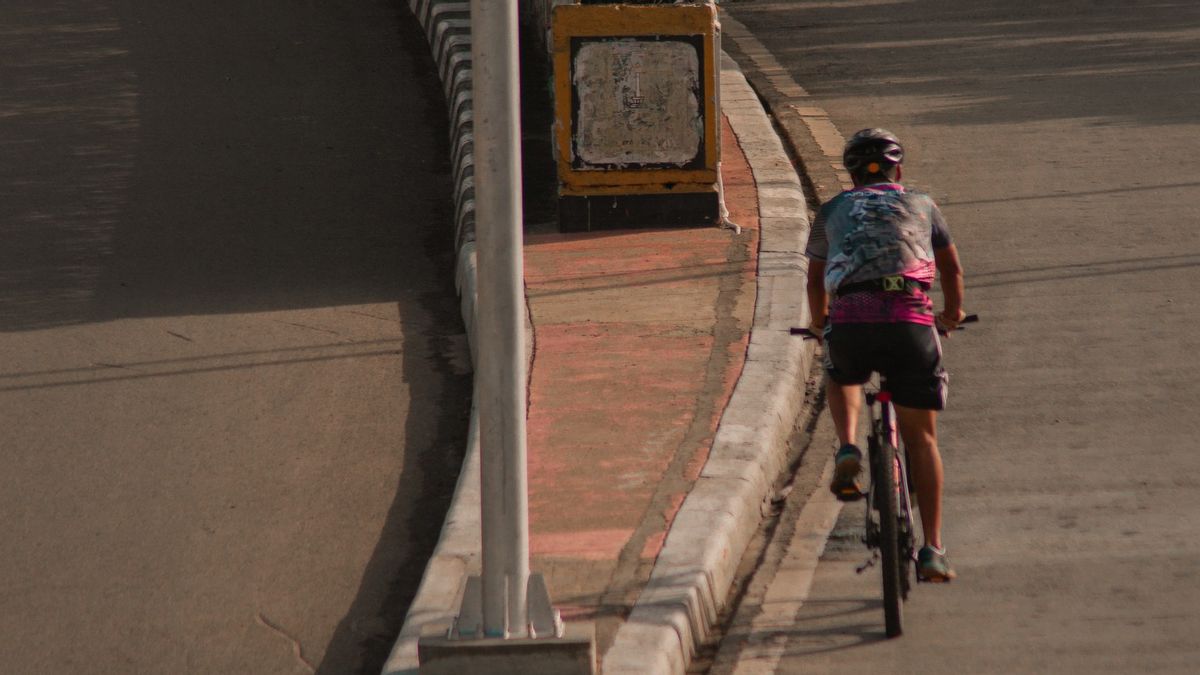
(808, 334)
(970, 318)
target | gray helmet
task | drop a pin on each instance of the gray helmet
(872, 145)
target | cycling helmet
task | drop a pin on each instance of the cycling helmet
(872, 145)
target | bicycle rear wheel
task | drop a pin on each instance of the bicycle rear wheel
(883, 481)
(905, 524)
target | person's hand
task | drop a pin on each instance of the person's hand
(816, 326)
(947, 321)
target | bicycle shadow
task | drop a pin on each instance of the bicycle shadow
(847, 623)
(823, 626)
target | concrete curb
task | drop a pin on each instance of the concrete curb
(756, 641)
(693, 574)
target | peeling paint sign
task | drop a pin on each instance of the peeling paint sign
(637, 102)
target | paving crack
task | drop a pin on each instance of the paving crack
(388, 319)
(297, 649)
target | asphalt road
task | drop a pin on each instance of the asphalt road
(1061, 141)
(233, 383)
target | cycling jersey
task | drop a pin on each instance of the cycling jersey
(878, 232)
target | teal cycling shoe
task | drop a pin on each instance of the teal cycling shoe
(933, 566)
(847, 465)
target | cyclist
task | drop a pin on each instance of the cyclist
(873, 252)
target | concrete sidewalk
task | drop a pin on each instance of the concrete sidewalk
(663, 389)
(640, 337)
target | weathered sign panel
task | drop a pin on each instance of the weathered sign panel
(639, 103)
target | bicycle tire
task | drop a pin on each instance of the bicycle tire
(905, 536)
(883, 479)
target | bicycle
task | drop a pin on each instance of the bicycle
(891, 534)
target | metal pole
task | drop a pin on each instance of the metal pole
(500, 328)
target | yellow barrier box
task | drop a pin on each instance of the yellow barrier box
(636, 115)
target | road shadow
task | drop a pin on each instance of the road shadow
(1054, 56)
(69, 129)
(1103, 269)
(168, 159)
(181, 162)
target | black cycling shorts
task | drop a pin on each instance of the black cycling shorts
(908, 354)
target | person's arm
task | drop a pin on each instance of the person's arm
(816, 251)
(818, 301)
(945, 259)
(950, 269)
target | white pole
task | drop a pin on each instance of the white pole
(500, 328)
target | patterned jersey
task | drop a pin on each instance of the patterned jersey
(878, 231)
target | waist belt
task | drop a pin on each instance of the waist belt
(892, 284)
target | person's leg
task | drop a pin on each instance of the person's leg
(847, 369)
(918, 428)
(845, 403)
(843, 392)
(918, 384)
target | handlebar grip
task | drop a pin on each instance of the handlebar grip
(969, 318)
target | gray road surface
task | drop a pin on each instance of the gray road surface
(231, 379)
(1061, 140)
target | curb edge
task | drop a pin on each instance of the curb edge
(692, 576)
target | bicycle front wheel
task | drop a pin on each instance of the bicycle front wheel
(883, 480)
